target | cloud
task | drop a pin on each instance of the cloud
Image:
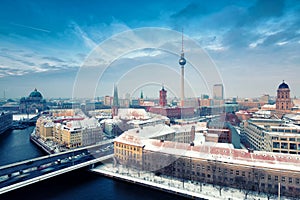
(53, 59)
(83, 36)
(16, 62)
(190, 11)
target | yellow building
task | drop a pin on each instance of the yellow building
(44, 128)
(126, 153)
(46, 131)
(71, 138)
(57, 133)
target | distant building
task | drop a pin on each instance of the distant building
(108, 100)
(141, 99)
(6, 120)
(170, 112)
(218, 92)
(115, 106)
(283, 99)
(163, 97)
(33, 103)
(265, 98)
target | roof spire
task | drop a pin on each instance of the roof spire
(115, 97)
(142, 95)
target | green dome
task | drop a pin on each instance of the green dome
(35, 93)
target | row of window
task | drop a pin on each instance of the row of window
(126, 146)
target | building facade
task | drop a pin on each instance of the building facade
(69, 131)
(283, 99)
(222, 167)
(163, 97)
(273, 135)
(33, 103)
(218, 92)
(6, 119)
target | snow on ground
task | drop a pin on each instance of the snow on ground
(196, 189)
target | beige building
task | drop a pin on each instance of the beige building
(222, 167)
(71, 136)
(69, 131)
(273, 135)
(44, 128)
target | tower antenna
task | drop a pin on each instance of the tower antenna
(182, 40)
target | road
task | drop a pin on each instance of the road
(34, 168)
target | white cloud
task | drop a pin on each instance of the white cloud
(282, 43)
(143, 53)
(17, 62)
(256, 43)
(83, 36)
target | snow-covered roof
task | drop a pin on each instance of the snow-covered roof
(200, 126)
(89, 123)
(225, 154)
(138, 134)
(111, 121)
(268, 106)
(132, 113)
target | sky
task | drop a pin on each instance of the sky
(251, 46)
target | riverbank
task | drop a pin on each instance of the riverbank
(40, 143)
(193, 190)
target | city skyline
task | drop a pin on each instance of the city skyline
(254, 45)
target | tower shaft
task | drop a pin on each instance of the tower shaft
(182, 87)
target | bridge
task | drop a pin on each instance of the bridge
(17, 175)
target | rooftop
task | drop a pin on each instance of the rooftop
(226, 154)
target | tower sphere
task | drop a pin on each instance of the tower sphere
(182, 61)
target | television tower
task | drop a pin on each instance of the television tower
(182, 62)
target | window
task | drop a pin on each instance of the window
(276, 145)
(231, 171)
(283, 179)
(297, 180)
(237, 172)
(269, 177)
(290, 180)
(276, 178)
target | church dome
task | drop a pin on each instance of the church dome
(35, 93)
(283, 85)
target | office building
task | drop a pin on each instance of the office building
(218, 92)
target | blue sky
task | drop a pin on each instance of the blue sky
(254, 44)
